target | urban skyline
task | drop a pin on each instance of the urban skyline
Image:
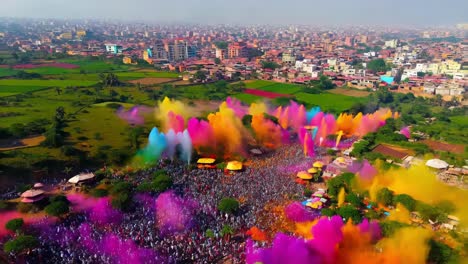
(343, 13)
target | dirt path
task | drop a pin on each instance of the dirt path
(23, 143)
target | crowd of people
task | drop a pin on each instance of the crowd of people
(267, 178)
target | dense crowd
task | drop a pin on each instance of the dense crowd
(266, 179)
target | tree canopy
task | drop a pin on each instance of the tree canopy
(377, 65)
(20, 244)
(385, 196)
(58, 208)
(270, 65)
(228, 205)
(14, 225)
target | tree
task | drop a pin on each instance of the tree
(161, 183)
(221, 45)
(228, 205)
(58, 208)
(227, 230)
(354, 199)
(121, 201)
(20, 244)
(390, 227)
(109, 79)
(270, 65)
(15, 224)
(334, 186)
(440, 253)
(398, 75)
(328, 212)
(325, 83)
(377, 65)
(405, 200)
(350, 212)
(134, 135)
(217, 61)
(121, 187)
(429, 212)
(99, 192)
(200, 75)
(385, 196)
(421, 74)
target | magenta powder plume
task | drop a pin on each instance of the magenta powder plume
(99, 210)
(298, 213)
(405, 131)
(363, 169)
(174, 214)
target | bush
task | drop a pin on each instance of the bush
(354, 199)
(349, 212)
(405, 200)
(440, 253)
(161, 183)
(390, 227)
(3, 205)
(60, 198)
(121, 201)
(20, 244)
(99, 192)
(144, 187)
(24, 207)
(385, 196)
(328, 212)
(121, 187)
(228, 205)
(57, 208)
(14, 225)
(308, 193)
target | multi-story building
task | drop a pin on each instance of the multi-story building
(237, 50)
(289, 57)
(177, 50)
(192, 51)
(220, 53)
(113, 48)
(66, 35)
(81, 33)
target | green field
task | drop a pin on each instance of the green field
(268, 86)
(5, 72)
(51, 70)
(460, 120)
(44, 83)
(328, 101)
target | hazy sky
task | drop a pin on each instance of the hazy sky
(319, 12)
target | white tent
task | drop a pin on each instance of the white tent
(81, 177)
(437, 164)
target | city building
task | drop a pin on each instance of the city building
(289, 57)
(113, 48)
(237, 50)
(177, 50)
(220, 53)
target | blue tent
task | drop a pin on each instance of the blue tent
(387, 79)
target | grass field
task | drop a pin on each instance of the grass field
(461, 120)
(45, 83)
(5, 72)
(328, 101)
(12, 90)
(274, 87)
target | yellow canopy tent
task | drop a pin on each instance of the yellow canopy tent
(304, 175)
(312, 170)
(234, 166)
(318, 164)
(206, 161)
